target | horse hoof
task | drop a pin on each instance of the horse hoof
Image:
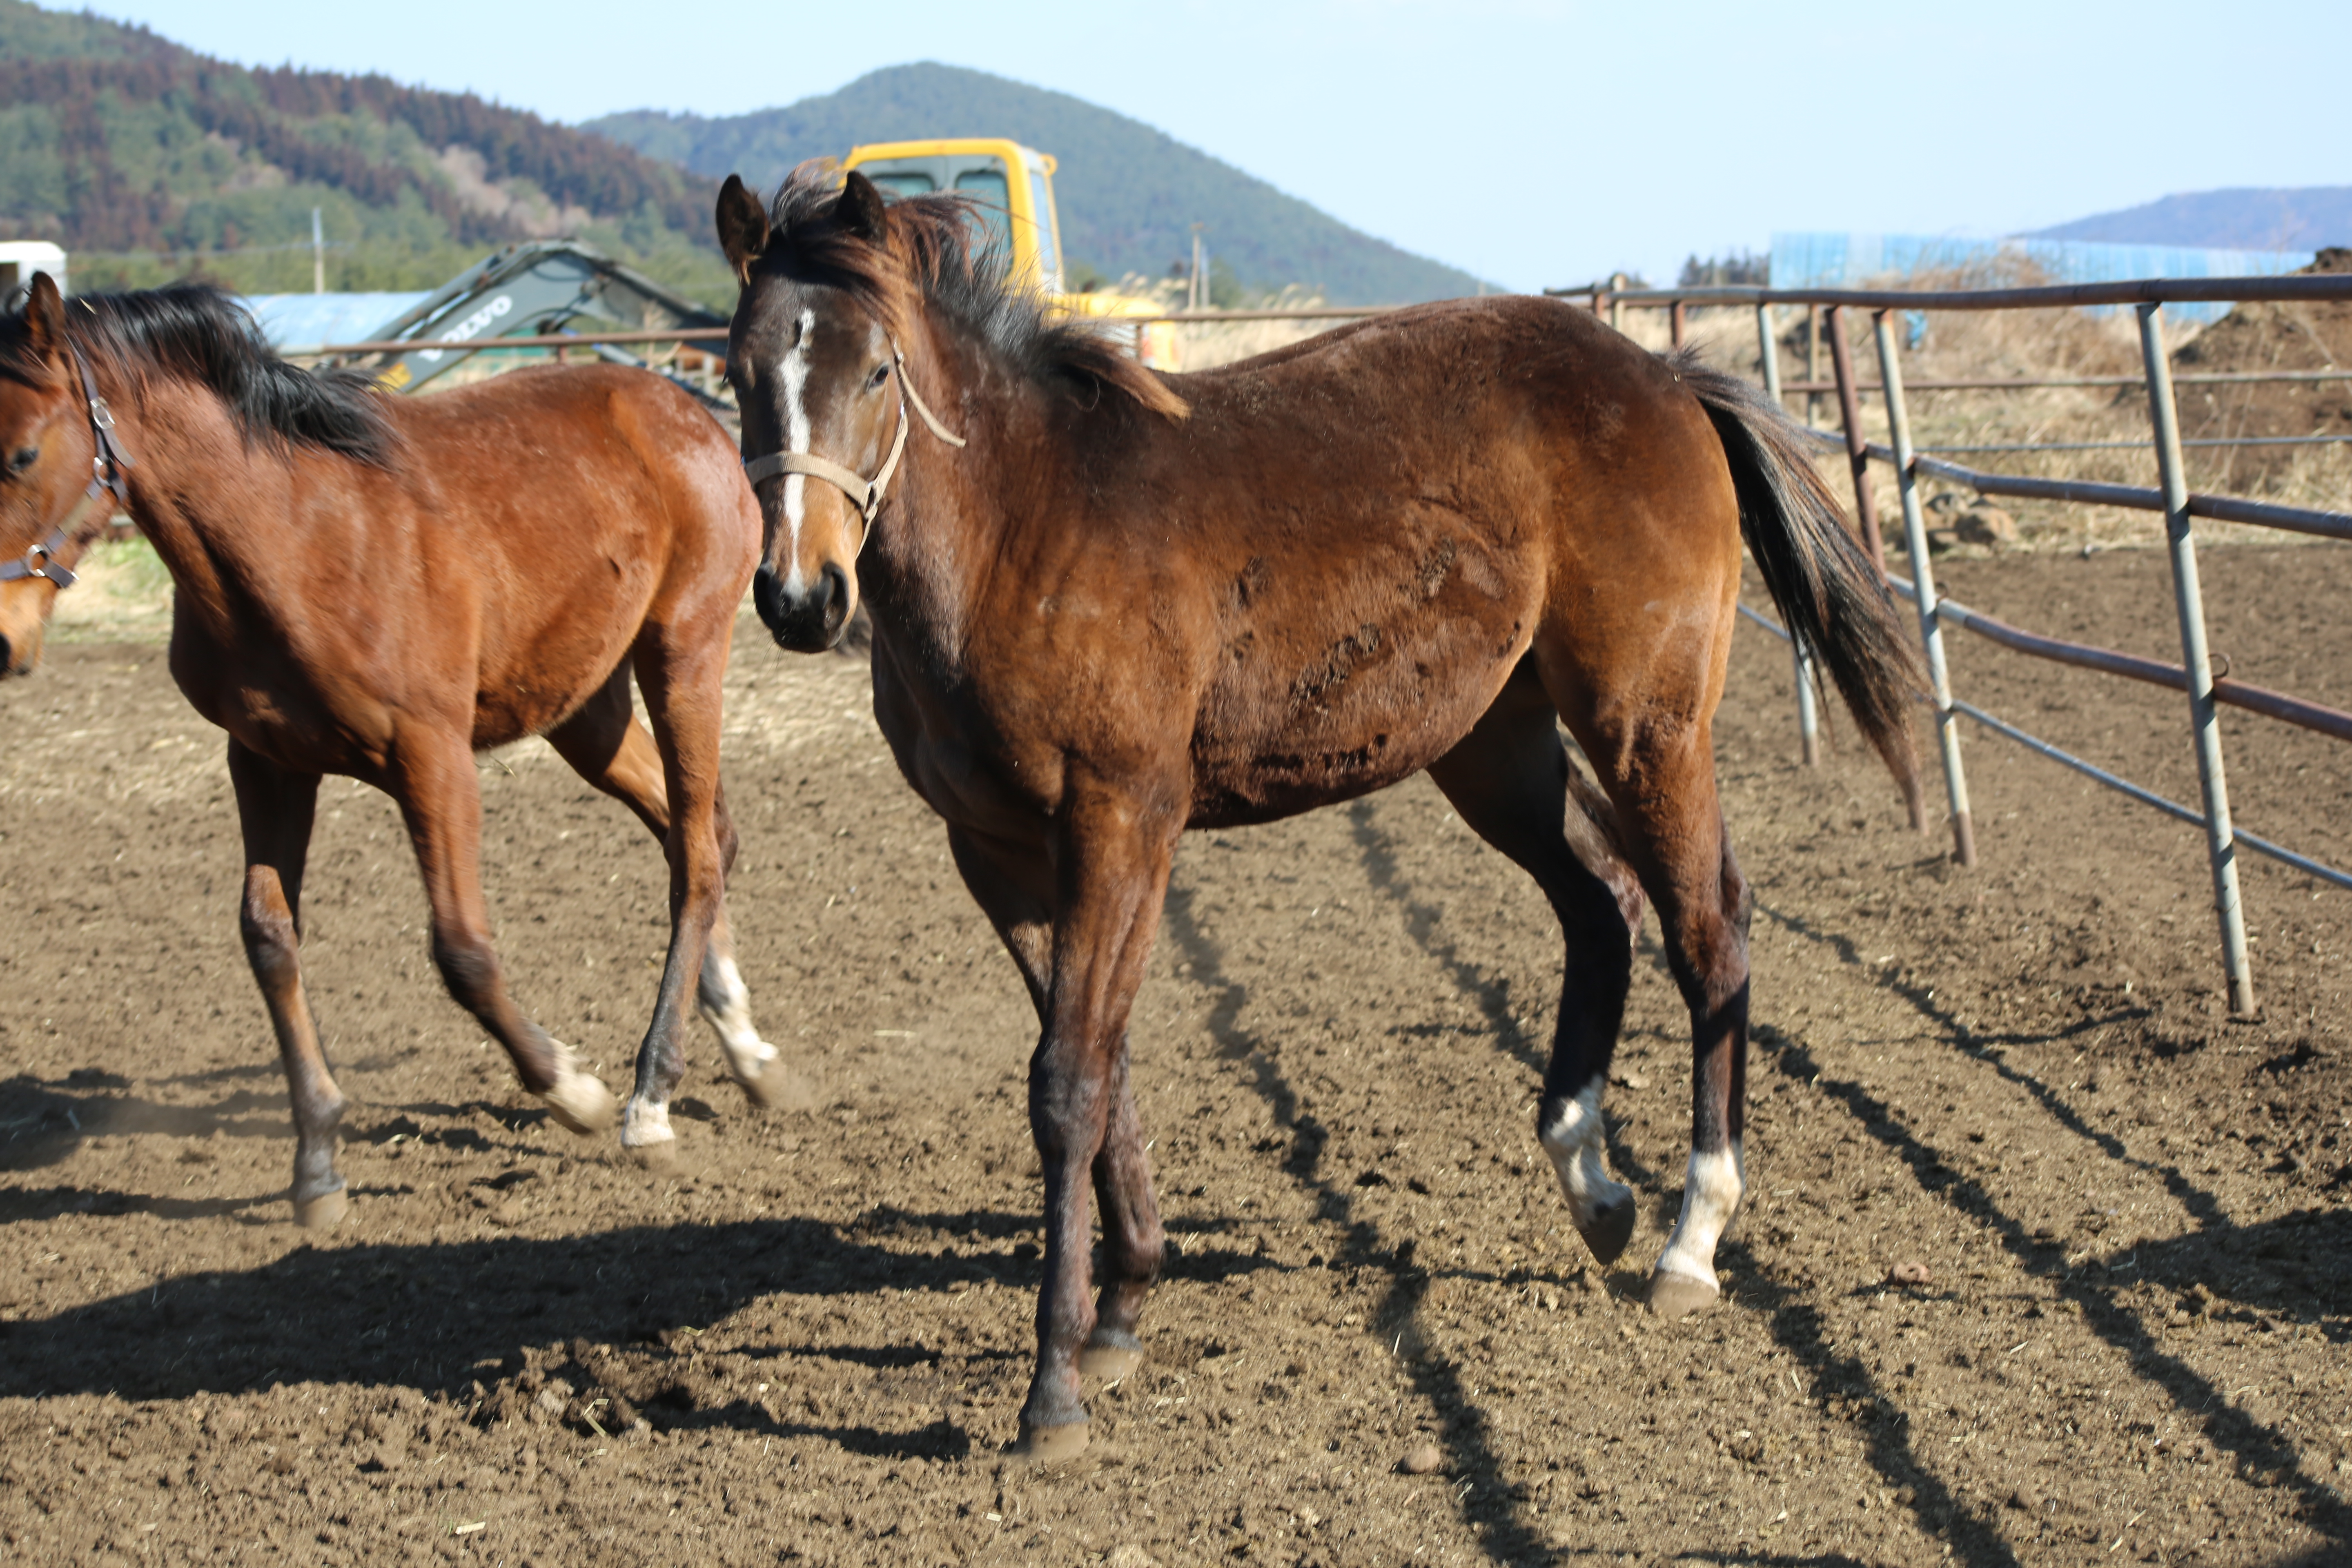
(776, 1089)
(1674, 1295)
(1110, 1360)
(1050, 1445)
(318, 1213)
(1610, 1231)
(581, 1102)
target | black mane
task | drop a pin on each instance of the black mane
(196, 332)
(933, 246)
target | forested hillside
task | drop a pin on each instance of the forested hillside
(148, 161)
(1129, 194)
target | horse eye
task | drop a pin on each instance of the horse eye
(881, 373)
(22, 458)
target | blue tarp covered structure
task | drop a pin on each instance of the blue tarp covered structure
(289, 320)
(1829, 260)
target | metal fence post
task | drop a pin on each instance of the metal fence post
(1857, 448)
(1923, 578)
(1808, 717)
(1812, 354)
(2220, 840)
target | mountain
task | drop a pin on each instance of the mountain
(148, 161)
(2311, 218)
(1129, 194)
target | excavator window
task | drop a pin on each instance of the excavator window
(904, 183)
(987, 188)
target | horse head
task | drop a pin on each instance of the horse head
(46, 447)
(815, 366)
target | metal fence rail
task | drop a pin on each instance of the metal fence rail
(2193, 676)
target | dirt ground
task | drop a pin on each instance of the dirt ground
(2133, 1215)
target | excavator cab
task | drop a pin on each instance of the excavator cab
(1011, 186)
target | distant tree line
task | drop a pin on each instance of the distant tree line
(1731, 266)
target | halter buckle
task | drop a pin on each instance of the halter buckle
(41, 561)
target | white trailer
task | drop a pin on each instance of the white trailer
(20, 258)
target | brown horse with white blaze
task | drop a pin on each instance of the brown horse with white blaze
(1132, 604)
(378, 588)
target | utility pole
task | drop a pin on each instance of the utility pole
(317, 255)
(1197, 295)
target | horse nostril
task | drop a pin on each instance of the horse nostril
(834, 599)
(768, 595)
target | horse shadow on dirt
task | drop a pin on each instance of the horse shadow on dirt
(2287, 1268)
(1485, 1500)
(489, 1326)
(44, 1121)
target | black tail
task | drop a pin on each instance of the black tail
(1830, 596)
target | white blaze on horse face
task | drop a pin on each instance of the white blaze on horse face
(1711, 1194)
(1574, 1142)
(794, 372)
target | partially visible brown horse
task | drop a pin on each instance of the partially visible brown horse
(1132, 605)
(379, 588)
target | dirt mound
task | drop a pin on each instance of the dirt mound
(2272, 336)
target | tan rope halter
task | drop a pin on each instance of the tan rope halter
(864, 492)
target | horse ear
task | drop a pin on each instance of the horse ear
(742, 225)
(859, 210)
(44, 319)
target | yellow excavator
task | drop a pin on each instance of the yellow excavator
(1012, 188)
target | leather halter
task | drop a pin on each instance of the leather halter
(865, 493)
(107, 461)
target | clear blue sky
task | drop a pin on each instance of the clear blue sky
(1530, 142)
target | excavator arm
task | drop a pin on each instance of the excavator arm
(537, 289)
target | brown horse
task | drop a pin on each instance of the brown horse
(1131, 605)
(378, 588)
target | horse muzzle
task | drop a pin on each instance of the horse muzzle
(809, 617)
(20, 647)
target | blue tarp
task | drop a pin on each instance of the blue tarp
(305, 319)
(1850, 260)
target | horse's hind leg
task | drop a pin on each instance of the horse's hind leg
(1510, 779)
(679, 670)
(433, 779)
(1670, 821)
(274, 809)
(607, 746)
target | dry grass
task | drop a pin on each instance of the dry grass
(2025, 344)
(1204, 345)
(124, 596)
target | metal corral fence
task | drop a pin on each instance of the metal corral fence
(2172, 498)
(2193, 675)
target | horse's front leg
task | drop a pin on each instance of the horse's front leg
(1112, 876)
(1133, 1241)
